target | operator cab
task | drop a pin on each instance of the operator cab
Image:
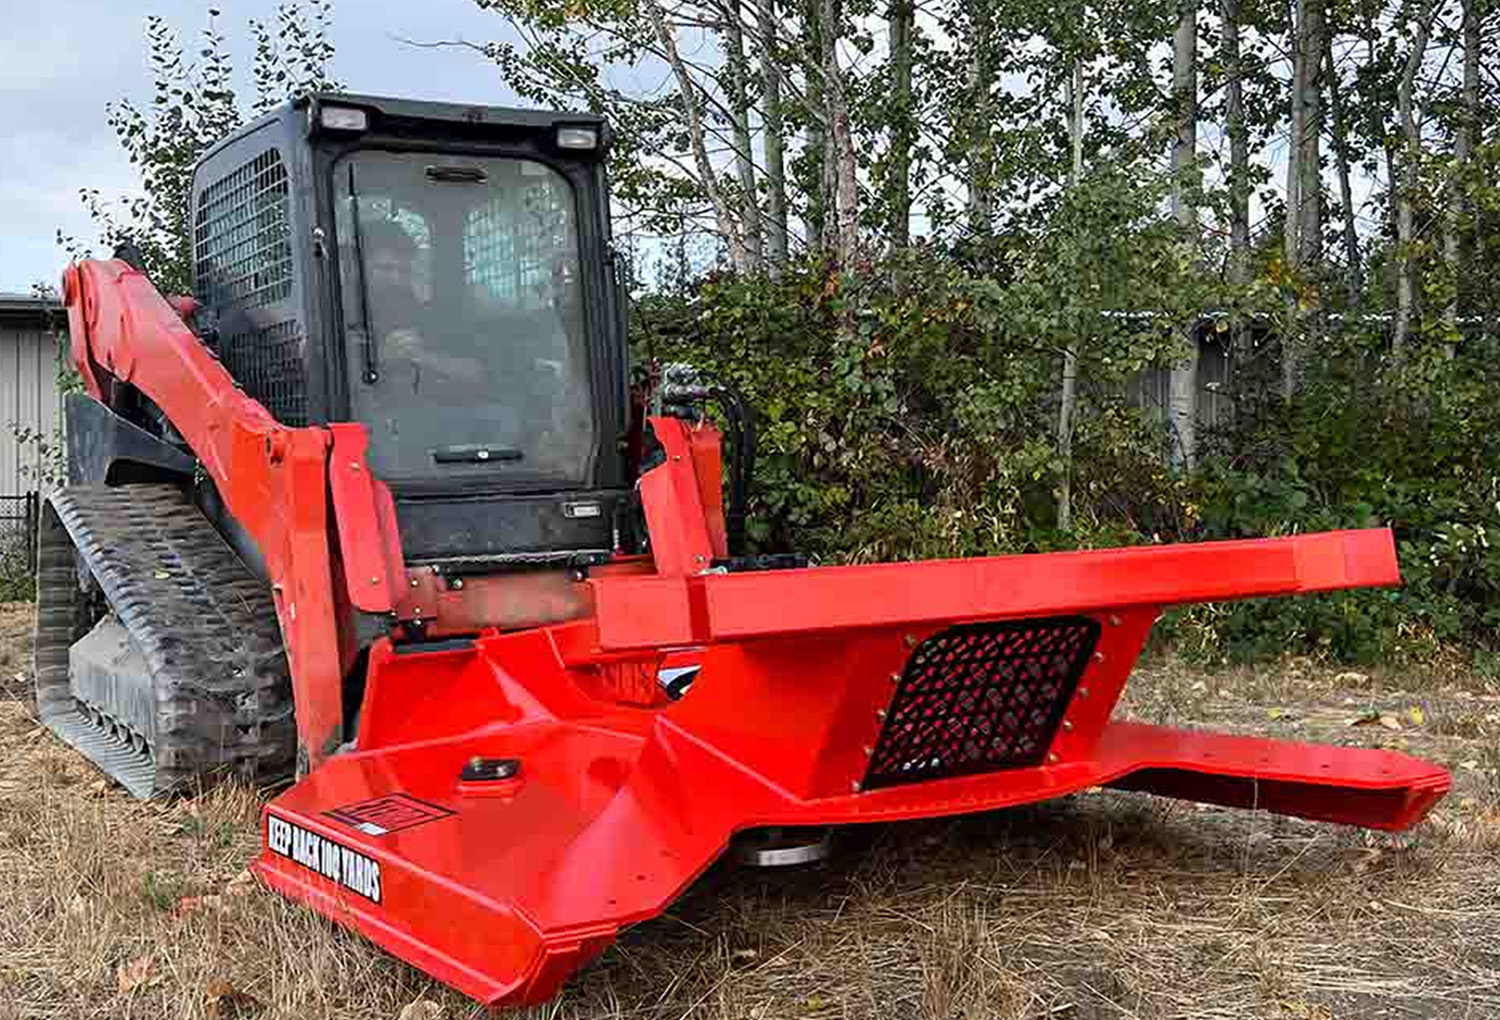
(443, 275)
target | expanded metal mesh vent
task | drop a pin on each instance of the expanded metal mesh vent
(269, 363)
(981, 697)
(241, 241)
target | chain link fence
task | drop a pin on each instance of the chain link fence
(18, 522)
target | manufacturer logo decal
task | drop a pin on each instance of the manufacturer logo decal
(334, 861)
(391, 813)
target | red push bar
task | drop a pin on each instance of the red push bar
(652, 611)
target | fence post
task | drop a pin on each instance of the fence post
(33, 513)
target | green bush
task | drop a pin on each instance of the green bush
(925, 428)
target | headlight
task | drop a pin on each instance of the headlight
(343, 118)
(577, 137)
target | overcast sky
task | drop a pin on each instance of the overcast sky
(59, 67)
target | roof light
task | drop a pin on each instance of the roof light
(575, 137)
(343, 118)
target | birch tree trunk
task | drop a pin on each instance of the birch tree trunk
(1296, 126)
(841, 148)
(1310, 161)
(1239, 167)
(737, 87)
(1067, 408)
(1406, 195)
(1468, 120)
(774, 140)
(1341, 164)
(900, 22)
(687, 95)
(981, 207)
(1182, 401)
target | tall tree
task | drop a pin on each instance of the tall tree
(1067, 405)
(194, 105)
(1182, 408)
(1340, 138)
(1406, 194)
(1239, 160)
(840, 140)
(738, 87)
(1463, 145)
(774, 136)
(901, 24)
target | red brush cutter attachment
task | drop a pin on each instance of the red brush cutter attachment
(505, 815)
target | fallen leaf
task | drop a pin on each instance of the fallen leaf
(743, 955)
(1368, 719)
(422, 1009)
(222, 1001)
(98, 788)
(78, 906)
(1351, 678)
(132, 975)
(1417, 716)
(1389, 721)
(161, 575)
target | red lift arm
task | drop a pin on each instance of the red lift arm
(514, 801)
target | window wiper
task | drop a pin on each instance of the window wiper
(476, 453)
(371, 356)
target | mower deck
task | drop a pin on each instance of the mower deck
(503, 882)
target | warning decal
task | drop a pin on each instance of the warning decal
(334, 861)
(391, 813)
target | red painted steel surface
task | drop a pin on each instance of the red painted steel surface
(503, 888)
(616, 810)
(273, 479)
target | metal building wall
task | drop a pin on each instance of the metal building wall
(30, 404)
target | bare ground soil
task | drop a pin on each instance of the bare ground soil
(1099, 906)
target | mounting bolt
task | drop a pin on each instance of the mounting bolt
(1067, 726)
(880, 713)
(1114, 621)
(417, 611)
(868, 750)
(1098, 656)
(415, 583)
(354, 465)
(457, 584)
(895, 678)
(1051, 758)
(854, 786)
(911, 641)
(1083, 692)
(676, 457)
(699, 558)
(374, 580)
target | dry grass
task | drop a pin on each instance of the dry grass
(1100, 906)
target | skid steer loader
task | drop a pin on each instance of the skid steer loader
(373, 509)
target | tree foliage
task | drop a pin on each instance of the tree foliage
(193, 105)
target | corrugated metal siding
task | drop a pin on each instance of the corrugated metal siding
(1152, 388)
(30, 405)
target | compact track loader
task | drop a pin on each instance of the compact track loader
(375, 509)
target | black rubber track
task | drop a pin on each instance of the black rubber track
(205, 625)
